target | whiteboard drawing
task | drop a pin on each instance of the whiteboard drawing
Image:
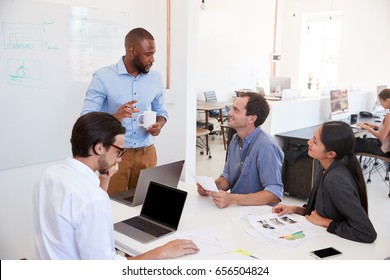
(95, 34)
(24, 72)
(20, 36)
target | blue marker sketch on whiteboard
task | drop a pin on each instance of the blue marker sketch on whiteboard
(95, 34)
(23, 36)
(19, 36)
(24, 72)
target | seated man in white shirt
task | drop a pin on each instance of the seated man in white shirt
(71, 208)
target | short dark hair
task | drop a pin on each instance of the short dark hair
(136, 35)
(257, 105)
(93, 128)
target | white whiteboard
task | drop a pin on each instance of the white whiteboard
(48, 53)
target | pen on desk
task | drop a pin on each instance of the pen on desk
(246, 253)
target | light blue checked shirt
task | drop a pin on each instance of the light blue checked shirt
(112, 86)
(255, 166)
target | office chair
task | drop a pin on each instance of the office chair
(229, 131)
(211, 96)
(200, 143)
(373, 163)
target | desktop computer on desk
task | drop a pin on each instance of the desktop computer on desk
(339, 104)
(276, 88)
(277, 84)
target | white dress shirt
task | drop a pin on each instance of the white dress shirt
(72, 214)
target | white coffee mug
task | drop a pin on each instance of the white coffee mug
(148, 119)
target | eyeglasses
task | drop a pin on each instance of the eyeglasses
(120, 152)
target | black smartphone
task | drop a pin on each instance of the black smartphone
(325, 253)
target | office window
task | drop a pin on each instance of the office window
(320, 48)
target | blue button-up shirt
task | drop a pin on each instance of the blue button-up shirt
(112, 86)
(256, 165)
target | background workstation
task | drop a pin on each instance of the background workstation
(224, 47)
(298, 165)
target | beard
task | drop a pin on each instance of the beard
(140, 66)
(103, 165)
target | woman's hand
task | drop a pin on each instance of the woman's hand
(282, 209)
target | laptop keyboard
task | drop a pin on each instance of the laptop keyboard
(147, 226)
(130, 198)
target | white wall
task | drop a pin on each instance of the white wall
(235, 46)
(177, 140)
(236, 41)
(364, 56)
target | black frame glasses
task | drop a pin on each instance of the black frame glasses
(120, 152)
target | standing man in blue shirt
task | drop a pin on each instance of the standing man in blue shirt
(253, 170)
(124, 90)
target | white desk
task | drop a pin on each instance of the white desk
(309, 111)
(200, 212)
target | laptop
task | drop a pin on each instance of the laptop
(160, 214)
(168, 174)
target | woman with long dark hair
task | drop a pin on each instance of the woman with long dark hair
(338, 200)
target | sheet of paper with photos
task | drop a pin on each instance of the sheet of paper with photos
(274, 230)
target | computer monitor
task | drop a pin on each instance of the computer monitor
(377, 106)
(380, 88)
(339, 104)
(277, 84)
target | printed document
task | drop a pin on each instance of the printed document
(278, 230)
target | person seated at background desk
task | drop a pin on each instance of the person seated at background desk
(253, 168)
(338, 200)
(71, 207)
(381, 144)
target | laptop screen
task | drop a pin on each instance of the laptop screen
(164, 204)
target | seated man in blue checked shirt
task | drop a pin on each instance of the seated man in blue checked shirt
(253, 168)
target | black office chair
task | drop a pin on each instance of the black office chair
(373, 163)
(211, 96)
(200, 143)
